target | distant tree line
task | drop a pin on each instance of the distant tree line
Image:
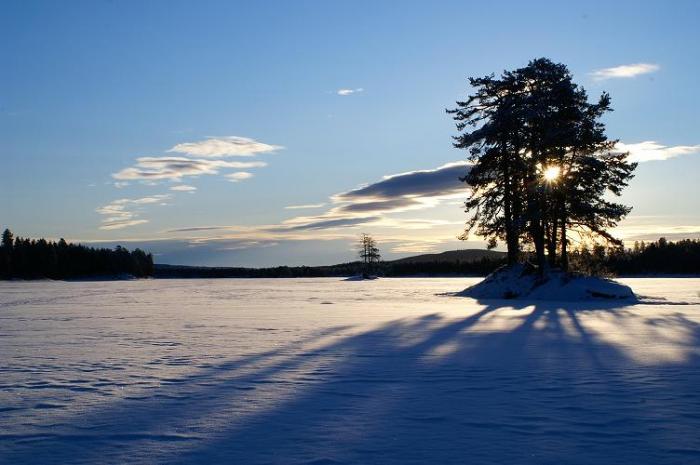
(480, 267)
(659, 257)
(186, 272)
(26, 258)
(392, 269)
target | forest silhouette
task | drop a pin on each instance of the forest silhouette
(25, 258)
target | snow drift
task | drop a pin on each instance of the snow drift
(523, 282)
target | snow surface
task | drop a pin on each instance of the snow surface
(321, 371)
(522, 282)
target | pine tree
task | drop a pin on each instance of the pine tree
(542, 163)
(6, 254)
(369, 253)
(495, 149)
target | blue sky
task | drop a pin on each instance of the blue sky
(105, 107)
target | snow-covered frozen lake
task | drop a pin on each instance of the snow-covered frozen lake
(321, 371)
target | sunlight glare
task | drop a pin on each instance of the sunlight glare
(551, 173)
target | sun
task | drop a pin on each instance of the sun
(551, 173)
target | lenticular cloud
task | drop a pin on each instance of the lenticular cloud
(233, 146)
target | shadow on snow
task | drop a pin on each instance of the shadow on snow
(422, 390)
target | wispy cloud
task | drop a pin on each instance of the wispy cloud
(345, 92)
(306, 206)
(651, 151)
(644, 228)
(377, 205)
(153, 170)
(331, 223)
(380, 206)
(183, 188)
(441, 182)
(239, 176)
(624, 71)
(122, 213)
(151, 199)
(120, 224)
(175, 168)
(368, 205)
(232, 146)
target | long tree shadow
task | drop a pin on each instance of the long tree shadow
(533, 386)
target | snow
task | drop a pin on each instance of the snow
(322, 371)
(523, 282)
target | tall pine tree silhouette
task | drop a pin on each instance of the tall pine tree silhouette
(541, 162)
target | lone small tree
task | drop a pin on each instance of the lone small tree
(369, 253)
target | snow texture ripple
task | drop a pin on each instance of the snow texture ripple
(321, 371)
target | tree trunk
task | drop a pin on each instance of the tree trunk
(508, 214)
(564, 243)
(540, 232)
(552, 244)
(517, 221)
(537, 232)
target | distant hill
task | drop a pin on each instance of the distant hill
(467, 262)
(660, 257)
(454, 256)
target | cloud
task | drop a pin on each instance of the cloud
(152, 199)
(335, 223)
(243, 245)
(441, 182)
(183, 188)
(393, 194)
(377, 206)
(415, 223)
(119, 224)
(670, 234)
(306, 206)
(345, 92)
(368, 205)
(652, 151)
(198, 229)
(152, 170)
(232, 146)
(175, 168)
(239, 176)
(419, 247)
(121, 213)
(400, 204)
(624, 71)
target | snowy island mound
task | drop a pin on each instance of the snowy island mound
(362, 277)
(524, 282)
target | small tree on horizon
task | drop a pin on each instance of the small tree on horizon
(369, 253)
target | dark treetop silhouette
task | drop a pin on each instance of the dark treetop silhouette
(541, 162)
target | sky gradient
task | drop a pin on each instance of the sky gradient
(262, 133)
